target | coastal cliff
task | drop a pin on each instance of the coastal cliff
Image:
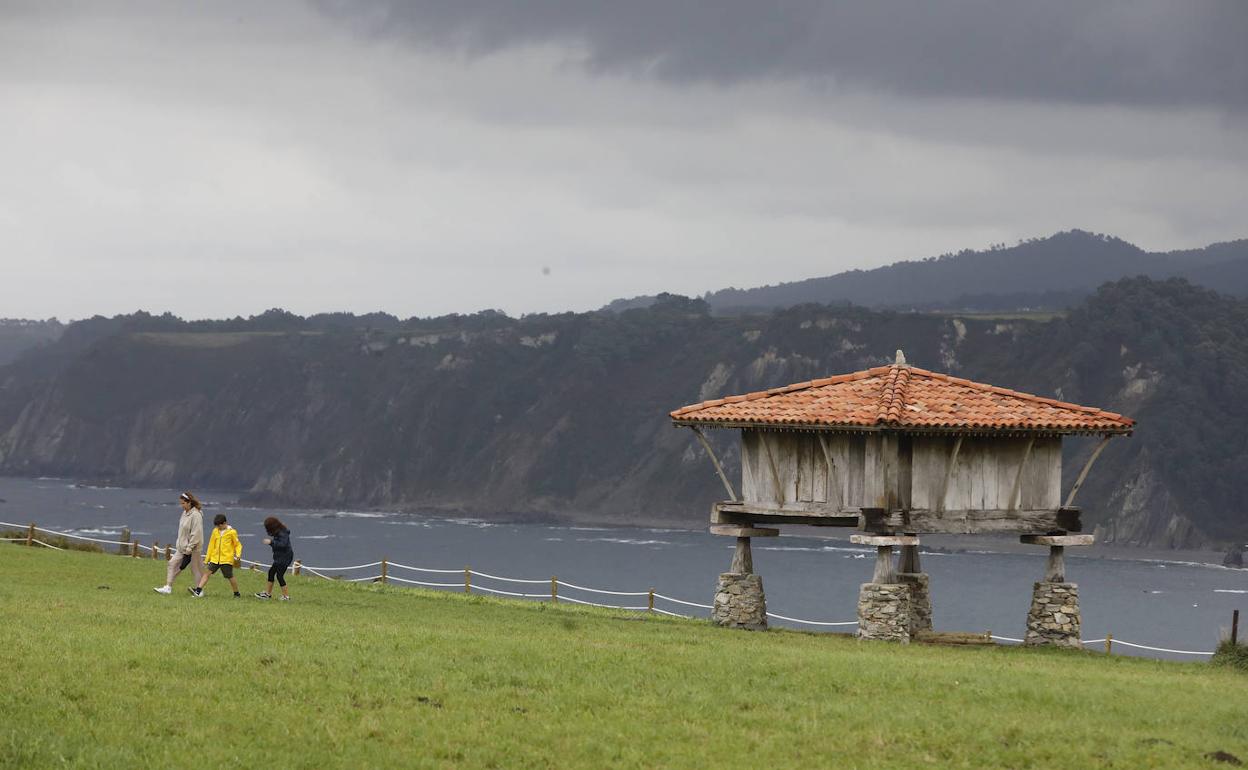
(564, 416)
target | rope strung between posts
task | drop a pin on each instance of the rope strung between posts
(426, 569)
(507, 579)
(682, 601)
(813, 622)
(513, 593)
(423, 583)
(603, 591)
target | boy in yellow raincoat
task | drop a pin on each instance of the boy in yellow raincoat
(224, 551)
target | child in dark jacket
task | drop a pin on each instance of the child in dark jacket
(283, 555)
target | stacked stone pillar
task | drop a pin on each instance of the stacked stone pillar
(884, 604)
(910, 572)
(1054, 617)
(739, 598)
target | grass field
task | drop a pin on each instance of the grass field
(99, 671)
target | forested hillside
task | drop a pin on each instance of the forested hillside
(566, 415)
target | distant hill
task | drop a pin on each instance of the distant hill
(565, 416)
(17, 336)
(1044, 273)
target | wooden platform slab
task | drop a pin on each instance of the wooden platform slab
(1062, 540)
(736, 531)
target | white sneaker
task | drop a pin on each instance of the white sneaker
(163, 590)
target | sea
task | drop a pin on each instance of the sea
(1176, 604)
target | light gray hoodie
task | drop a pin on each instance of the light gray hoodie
(190, 530)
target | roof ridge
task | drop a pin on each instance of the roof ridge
(893, 395)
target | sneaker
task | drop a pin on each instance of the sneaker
(285, 598)
(237, 595)
(263, 595)
(166, 590)
(196, 592)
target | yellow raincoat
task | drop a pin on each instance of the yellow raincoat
(224, 547)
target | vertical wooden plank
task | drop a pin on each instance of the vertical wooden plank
(809, 467)
(856, 478)
(30, 536)
(872, 486)
(751, 470)
(905, 471)
(821, 476)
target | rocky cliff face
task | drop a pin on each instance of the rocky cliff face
(565, 416)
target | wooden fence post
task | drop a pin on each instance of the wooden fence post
(298, 566)
(1109, 644)
(168, 552)
(125, 542)
(134, 549)
(155, 550)
(554, 589)
(650, 602)
(467, 580)
(383, 570)
(1235, 627)
(30, 536)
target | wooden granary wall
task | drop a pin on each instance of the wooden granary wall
(888, 470)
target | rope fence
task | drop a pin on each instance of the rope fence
(467, 586)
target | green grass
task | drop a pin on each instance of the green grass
(100, 671)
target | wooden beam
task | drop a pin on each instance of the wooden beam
(944, 485)
(732, 517)
(879, 541)
(1083, 474)
(1062, 540)
(732, 494)
(741, 531)
(742, 558)
(1018, 477)
(834, 476)
(973, 522)
(771, 461)
(791, 506)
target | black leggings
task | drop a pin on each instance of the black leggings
(278, 572)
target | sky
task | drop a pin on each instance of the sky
(422, 157)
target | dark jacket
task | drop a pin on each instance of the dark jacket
(281, 546)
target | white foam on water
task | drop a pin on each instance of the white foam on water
(314, 537)
(553, 539)
(1229, 591)
(358, 515)
(622, 541)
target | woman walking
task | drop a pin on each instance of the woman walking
(283, 555)
(190, 542)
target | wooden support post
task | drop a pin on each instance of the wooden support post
(732, 495)
(1109, 644)
(298, 566)
(554, 590)
(155, 550)
(1055, 569)
(124, 548)
(650, 602)
(168, 552)
(134, 549)
(742, 558)
(1235, 628)
(383, 570)
(30, 536)
(1083, 474)
(884, 565)
(467, 580)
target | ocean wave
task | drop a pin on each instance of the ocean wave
(103, 531)
(478, 523)
(1230, 591)
(622, 541)
(314, 537)
(356, 515)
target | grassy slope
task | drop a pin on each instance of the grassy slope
(353, 675)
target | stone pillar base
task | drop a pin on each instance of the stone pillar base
(1054, 615)
(884, 612)
(920, 601)
(739, 602)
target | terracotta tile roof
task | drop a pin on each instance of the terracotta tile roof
(901, 396)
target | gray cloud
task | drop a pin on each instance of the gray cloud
(227, 157)
(1138, 52)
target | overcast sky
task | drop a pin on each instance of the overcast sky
(423, 156)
